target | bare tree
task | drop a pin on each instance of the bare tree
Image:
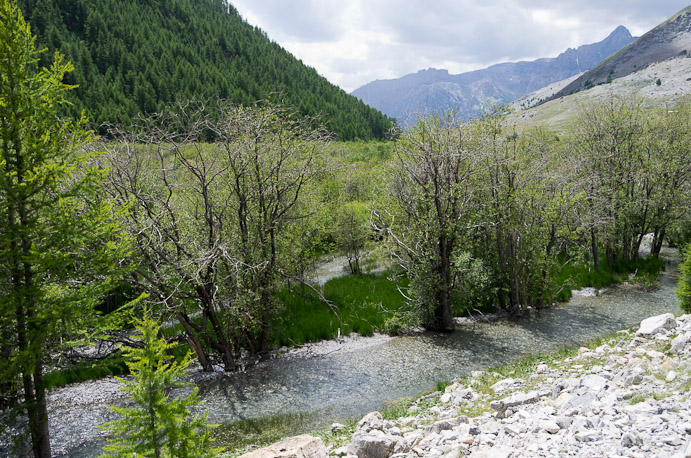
(209, 217)
(433, 190)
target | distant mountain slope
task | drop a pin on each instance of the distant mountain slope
(436, 90)
(133, 56)
(670, 39)
(559, 114)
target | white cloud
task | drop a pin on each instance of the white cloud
(357, 41)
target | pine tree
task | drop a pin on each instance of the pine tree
(157, 426)
(60, 244)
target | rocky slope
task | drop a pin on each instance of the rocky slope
(675, 86)
(627, 397)
(670, 39)
(435, 90)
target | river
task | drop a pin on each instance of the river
(353, 379)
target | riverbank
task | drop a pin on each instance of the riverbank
(625, 396)
(344, 379)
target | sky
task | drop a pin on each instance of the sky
(354, 42)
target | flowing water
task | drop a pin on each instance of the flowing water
(356, 379)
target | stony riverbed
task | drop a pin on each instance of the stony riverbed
(629, 397)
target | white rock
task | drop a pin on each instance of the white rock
(671, 375)
(685, 452)
(494, 452)
(680, 342)
(593, 382)
(655, 324)
(372, 420)
(502, 385)
(337, 427)
(549, 426)
(375, 444)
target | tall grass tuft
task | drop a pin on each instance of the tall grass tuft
(363, 303)
(579, 275)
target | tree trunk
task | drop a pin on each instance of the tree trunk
(593, 247)
(194, 342)
(658, 239)
(443, 318)
(42, 433)
(223, 346)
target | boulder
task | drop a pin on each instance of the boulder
(444, 425)
(655, 324)
(303, 446)
(593, 382)
(374, 444)
(680, 342)
(517, 399)
(372, 420)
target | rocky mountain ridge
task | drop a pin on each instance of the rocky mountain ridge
(434, 90)
(668, 40)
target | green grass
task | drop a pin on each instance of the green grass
(363, 304)
(579, 275)
(441, 385)
(636, 399)
(113, 365)
(261, 432)
(397, 408)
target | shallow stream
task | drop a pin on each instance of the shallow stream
(357, 377)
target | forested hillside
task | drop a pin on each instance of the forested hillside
(137, 56)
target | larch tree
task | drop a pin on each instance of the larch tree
(161, 422)
(59, 241)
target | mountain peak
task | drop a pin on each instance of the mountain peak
(669, 39)
(620, 31)
(433, 90)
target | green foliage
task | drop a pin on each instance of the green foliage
(575, 274)
(476, 290)
(351, 232)
(60, 245)
(86, 371)
(658, 82)
(158, 425)
(401, 321)
(364, 303)
(679, 234)
(137, 57)
(684, 290)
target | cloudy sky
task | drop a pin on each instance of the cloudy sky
(353, 42)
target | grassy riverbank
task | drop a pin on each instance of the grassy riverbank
(362, 304)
